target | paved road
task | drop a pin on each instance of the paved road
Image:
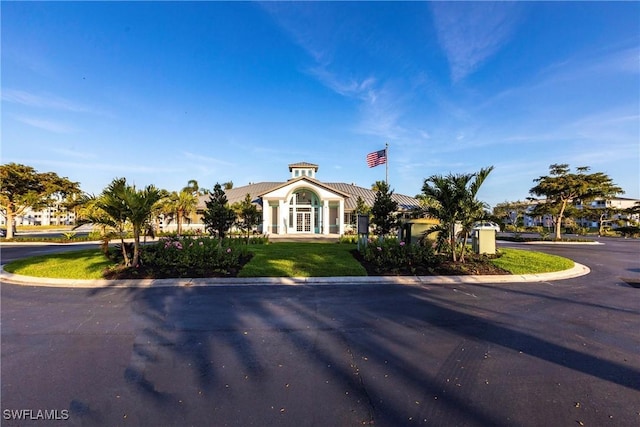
(556, 353)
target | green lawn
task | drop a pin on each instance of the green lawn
(518, 261)
(302, 260)
(273, 260)
(85, 264)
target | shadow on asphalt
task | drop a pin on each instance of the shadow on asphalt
(345, 329)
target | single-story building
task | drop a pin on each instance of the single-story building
(305, 205)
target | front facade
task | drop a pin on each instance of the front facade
(305, 205)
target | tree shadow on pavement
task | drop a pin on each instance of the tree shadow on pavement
(384, 355)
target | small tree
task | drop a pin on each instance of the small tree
(248, 215)
(562, 189)
(219, 216)
(384, 209)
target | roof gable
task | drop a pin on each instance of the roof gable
(313, 183)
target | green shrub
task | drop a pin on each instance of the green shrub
(257, 240)
(391, 255)
(189, 256)
(544, 233)
(348, 238)
(628, 231)
(68, 235)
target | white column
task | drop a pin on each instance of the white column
(341, 217)
(282, 215)
(325, 217)
(266, 217)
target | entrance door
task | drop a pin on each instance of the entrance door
(303, 221)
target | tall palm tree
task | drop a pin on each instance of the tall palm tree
(454, 202)
(140, 205)
(120, 206)
(192, 187)
(181, 204)
(445, 194)
(109, 211)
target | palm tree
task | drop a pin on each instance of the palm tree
(140, 205)
(453, 201)
(472, 209)
(444, 192)
(109, 211)
(192, 187)
(181, 204)
(121, 206)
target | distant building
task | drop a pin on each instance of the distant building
(305, 205)
(46, 216)
(616, 205)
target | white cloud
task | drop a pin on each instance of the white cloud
(41, 101)
(48, 125)
(73, 153)
(470, 33)
(320, 31)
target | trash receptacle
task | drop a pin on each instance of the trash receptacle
(484, 242)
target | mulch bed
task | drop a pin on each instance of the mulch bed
(148, 272)
(473, 265)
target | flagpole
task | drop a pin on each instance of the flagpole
(386, 153)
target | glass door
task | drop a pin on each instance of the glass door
(303, 220)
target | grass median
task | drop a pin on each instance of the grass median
(273, 260)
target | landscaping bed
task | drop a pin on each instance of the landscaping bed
(188, 258)
(442, 266)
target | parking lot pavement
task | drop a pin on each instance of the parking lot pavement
(554, 353)
(475, 354)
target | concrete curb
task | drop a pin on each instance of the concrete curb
(563, 243)
(577, 271)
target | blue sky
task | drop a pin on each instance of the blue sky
(161, 93)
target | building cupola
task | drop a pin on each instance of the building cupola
(303, 169)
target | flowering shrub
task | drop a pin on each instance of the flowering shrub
(191, 256)
(391, 255)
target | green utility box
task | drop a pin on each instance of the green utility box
(484, 242)
(412, 230)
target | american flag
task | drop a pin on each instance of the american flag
(377, 158)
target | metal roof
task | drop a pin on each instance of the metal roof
(351, 191)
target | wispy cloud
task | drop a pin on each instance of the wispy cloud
(47, 124)
(74, 153)
(319, 32)
(470, 33)
(575, 71)
(42, 101)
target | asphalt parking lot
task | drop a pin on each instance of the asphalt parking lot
(523, 354)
